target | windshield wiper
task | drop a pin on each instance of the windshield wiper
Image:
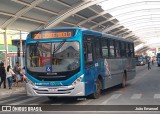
(34, 51)
(36, 48)
(58, 47)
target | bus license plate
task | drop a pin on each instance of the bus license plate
(53, 90)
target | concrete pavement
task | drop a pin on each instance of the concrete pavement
(143, 90)
(8, 92)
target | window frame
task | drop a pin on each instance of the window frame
(104, 39)
(86, 41)
(97, 50)
(109, 44)
(117, 49)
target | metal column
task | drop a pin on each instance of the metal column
(6, 48)
(21, 51)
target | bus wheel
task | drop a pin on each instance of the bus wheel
(124, 80)
(98, 90)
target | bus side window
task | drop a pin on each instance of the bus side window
(97, 47)
(111, 48)
(85, 50)
(132, 49)
(88, 51)
(123, 50)
(117, 48)
(105, 50)
(129, 50)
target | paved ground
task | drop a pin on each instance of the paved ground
(143, 90)
(15, 90)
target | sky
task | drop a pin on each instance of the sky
(142, 17)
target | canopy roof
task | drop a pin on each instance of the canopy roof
(137, 20)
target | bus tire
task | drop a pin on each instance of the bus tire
(124, 80)
(97, 93)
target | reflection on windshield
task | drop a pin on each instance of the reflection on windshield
(53, 57)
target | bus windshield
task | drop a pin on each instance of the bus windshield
(53, 57)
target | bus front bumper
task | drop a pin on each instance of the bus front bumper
(76, 90)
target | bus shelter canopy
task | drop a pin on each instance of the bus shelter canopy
(135, 20)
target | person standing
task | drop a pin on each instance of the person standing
(149, 64)
(10, 73)
(23, 74)
(3, 75)
(16, 70)
(152, 62)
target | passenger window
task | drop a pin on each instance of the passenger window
(132, 50)
(104, 48)
(111, 47)
(123, 50)
(117, 48)
(97, 48)
(127, 50)
(88, 51)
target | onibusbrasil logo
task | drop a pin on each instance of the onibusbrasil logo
(20, 108)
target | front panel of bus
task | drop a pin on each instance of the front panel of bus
(53, 63)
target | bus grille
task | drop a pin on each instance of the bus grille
(53, 90)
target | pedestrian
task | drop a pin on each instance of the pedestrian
(17, 70)
(149, 66)
(10, 73)
(23, 74)
(2, 75)
(152, 62)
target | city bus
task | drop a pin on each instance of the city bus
(140, 60)
(76, 62)
(158, 59)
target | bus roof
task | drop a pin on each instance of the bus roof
(61, 28)
(87, 31)
(104, 35)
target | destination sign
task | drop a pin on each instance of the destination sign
(51, 34)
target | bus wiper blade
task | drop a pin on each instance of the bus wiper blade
(34, 50)
(36, 45)
(58, 47)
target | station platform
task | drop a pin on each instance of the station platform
(15, 90)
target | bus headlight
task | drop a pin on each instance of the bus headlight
(141, 62)
(78, 80)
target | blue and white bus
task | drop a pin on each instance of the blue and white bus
(158, 59)
(76, 62)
